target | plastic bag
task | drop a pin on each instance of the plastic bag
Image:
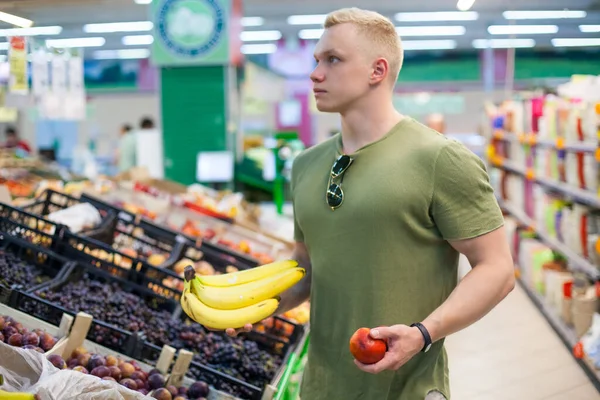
(30, 371)
(78, 217)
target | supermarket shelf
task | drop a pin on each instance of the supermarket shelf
(583, 147)
(576, 261)
(579, 195)
(566, 333)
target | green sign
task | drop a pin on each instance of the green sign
(190, 32)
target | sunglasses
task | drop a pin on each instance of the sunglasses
(335, 194)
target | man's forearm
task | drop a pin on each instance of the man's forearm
(476, 295)
(300, 292)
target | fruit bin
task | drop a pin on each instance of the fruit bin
(27, 266)
(119, 319)
(133, 225)
(51, 201)
(162, 281)
(30, 227)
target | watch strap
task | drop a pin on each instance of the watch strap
(425, 334)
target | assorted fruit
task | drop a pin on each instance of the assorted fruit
(239, 298)
(129, 374)
(15, 334)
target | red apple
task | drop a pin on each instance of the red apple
(366, 349)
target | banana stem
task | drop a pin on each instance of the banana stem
(189, 273)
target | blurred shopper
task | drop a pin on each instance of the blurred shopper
(382, 212)
(13, 141)
(126, 157)
(437, 123)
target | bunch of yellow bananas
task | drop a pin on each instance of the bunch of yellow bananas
(239, 298)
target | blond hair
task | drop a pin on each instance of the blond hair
(378, 29)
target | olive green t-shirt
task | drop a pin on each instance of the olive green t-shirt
(383, 258)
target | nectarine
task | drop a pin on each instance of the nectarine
(366, 349)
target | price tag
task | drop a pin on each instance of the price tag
(530, 174)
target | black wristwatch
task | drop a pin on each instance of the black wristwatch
(426, 336)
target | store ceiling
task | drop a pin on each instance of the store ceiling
(71, 15)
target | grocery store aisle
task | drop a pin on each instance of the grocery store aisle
(513, 353)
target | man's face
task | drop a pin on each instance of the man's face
(343, 69)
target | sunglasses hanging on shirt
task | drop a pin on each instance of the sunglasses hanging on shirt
(335, 194)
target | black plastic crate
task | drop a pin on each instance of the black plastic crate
(113, 335)
(161, 281)
(165, 240)
(30, 227)
(48, 264)
(51, 201)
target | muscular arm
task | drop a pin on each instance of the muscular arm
(300, 292)
(491, 280)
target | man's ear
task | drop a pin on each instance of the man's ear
(380, 70)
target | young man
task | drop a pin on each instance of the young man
(382, 212)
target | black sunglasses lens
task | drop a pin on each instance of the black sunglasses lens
(335, 196)
(340, 165)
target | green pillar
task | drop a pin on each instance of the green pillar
(196, 46)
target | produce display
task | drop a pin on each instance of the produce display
(236, 299)
(15, 271)
(130, 375)
(15, 334)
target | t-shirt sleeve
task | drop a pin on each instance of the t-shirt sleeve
(298, 235)
(463, 203)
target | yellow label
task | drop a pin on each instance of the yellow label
(560, 143)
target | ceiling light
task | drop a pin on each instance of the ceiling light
(252, 21)
(4, 46)
(35, 31)
(579, 42)
(76, 42)
(589, 28)
(307, 19)
(503, 43)
(437, 16)
(431, 30)
(259, 48)
(257, 36)
(428, 44)
(112, 27)
(464, 5)
(522, 29)
(143, 1)
(127, 54)
(558, 14)
(14, 20)
(309, 34)
(137, 40)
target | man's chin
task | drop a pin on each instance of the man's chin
(327, 108)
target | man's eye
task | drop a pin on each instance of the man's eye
(333, 59)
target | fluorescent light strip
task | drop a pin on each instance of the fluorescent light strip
(437, 16)
(318, 19)
(522, 29)
(128, 54)
(76, 42)
(267, 48)
(431, 30)
(428, 44)
(308, 34)
(35, 31)
(558, 14)
(464, 5)
(579, 42)
(139, 26)
(589, 28)
(137, 40)
(14, 20)
(4, 46)
(252, 21)
(143, 1)
(257, 36)
(503, 43)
